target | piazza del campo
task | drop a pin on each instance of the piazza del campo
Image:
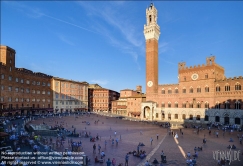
(197, 121)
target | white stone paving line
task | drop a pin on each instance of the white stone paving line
(142, 163)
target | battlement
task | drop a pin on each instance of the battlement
(229, 79)
(168, 84)
(23, 70)
(210, 61)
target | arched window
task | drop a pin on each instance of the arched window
(226, 105)
(184, 90)
(176, 90)
(206, 105)
(198, 104)
(163, 91)
(169, 105)
(237, 86)
(191, 90)
(237, 105)
(206, 88)
(184, 116)
(199, 89)
(217, 106)
(169, 91)
(191, 117)
(206, 118)
(176, 116)
(198, 117)
(163, 105)
(217, 88)
(184, 105)
(176, 105)
(227, 87)
(191, 105)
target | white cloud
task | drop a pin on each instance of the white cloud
(65, 40)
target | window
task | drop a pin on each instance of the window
(10, 61)
(38, 83)
(27, 82)
(62, 96)
(169, 91)
(48, 100)
(227, 87)
(198, 90)
(206, 89)
(48, 84)
(2, 76)
(176, 91)
(43, 84)
(169, 105)
(217, 88)
(184, 78)
(176, 105)
(21, 81)
(191, 90)
(163, 105)
(190, 117)
(198, 105)
(57, 95)
(2, 87)
(38, 100)
(206, 76)
(22, 90)
(183, 90)
(237, 86)
(27, 90)
(43, 100)
(16, 99)
(190, 105)
(198, 117)
(9, 88)
(10, 68)
(217, 106)
(33, 83)
(43, 92)
(48, 92)
(17, 89)
(176, 116)
(237, 105)
(10, 78)
(226, 105)
(2, 99)
(27, 100)
(206, 118)
(184, 116)
(183, 105)
(17, 79)
(38, 92)
(33, 99)
(10, 99)
(163, 91)
(206, 105)
(157, 115)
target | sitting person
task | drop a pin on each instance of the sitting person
(189, 161)
(102, 154)
(142, 156)
(231, 140)
(196, 154)
(96, 159)
(233, 146)
(194, 161)
(199, 148)
(155, 161)
(229, 147)
(188, 154)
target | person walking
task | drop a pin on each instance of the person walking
(94, 148)
(157, 136)
(151, 140)
(126, 159)
(108, 162)
(99, 147)
(113, 162)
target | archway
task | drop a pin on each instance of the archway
(226, 119)
(217, 119)
(146, 112)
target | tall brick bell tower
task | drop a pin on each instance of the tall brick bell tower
(151, 33)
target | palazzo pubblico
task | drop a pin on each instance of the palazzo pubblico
(203, 93)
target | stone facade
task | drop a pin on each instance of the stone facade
(22, 91)
(100, 99)
(203, 93)
(69, 95)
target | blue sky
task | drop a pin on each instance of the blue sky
(103, 42)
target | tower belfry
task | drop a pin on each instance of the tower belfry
(151, 33)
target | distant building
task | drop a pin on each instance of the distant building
(100, 99)
(129, 103)
(22, 91)
(69, 96)
(202, 95)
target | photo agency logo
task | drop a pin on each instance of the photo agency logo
(228, 155)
